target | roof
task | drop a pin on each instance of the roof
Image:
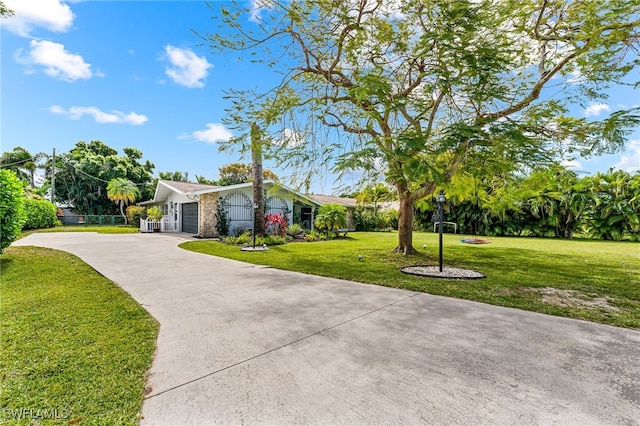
(164, 187)
(329, 199)
(268, 184)
(184, 187)
(195, 189)
(389, 205)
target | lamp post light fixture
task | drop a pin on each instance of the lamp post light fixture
(441, 199)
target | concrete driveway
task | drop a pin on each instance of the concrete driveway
(244, 344)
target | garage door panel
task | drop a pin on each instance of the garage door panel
(190, 218)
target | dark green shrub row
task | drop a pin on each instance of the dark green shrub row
(366, 219)
(40, 214)
(12, 214)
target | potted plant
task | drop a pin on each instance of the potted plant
(155, 215)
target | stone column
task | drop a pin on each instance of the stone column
(208, 215)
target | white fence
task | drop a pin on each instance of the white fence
(166, 224)
(149, 225)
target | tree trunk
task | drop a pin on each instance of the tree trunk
(405, 224)
(122, 213)
(256, 175)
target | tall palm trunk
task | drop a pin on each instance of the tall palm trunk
(122, 212)
(258, 188)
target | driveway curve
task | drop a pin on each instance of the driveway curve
(245, 344)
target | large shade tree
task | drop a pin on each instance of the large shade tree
(83, 173)
(418, 87)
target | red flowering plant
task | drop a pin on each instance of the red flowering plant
(276, 224)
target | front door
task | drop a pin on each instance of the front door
(306, 216)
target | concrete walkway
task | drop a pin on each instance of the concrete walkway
(244, 344)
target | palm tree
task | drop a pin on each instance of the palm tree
(331, 217)
(22, 163)
(122, 191)
(375, 194)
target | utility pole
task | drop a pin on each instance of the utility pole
(53, 177)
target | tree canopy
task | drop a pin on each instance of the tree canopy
(175, 176)
(235, 173)
(83, 173)
(4, 11)
(418, 88)
(22, 163)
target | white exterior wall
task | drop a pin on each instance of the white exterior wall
(236, 226)
(175, 215)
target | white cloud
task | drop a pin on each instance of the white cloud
(572, 163)
(290, 139)
(56, 61)
(595, 109)
(53, 15)
(186, 68)
(256, 7)
(214, 133)
(113, 117)
(630, 162)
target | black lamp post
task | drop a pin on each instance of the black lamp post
(441, 199)
(255, 209)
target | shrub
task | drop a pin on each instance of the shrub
(389, 218)
(223, 221)
(154, 213)
(12, 213)
(270, 240)
(231, 240)
(247, 239)
(277, 223)
(315, 235)
(364, 219)
(244, 238)
(294, 229)
(39, 214)
(331, 217)
(134, 214)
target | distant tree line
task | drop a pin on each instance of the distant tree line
(229, 174)
(96, 179)
(550, 202)
(553, 202)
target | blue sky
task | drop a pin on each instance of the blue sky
(133, 73)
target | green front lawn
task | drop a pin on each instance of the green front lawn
(592, 280)
(75, 346)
